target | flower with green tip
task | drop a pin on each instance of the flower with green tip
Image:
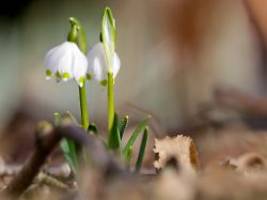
(98, 67)
(108, 34)
(65, 62)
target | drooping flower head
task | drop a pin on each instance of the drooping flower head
(102, 58)
(98, 67)
(66, 61)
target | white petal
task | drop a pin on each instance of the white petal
(54, 56)
(79, 64)
(98, 72)
(65, 65)
(97, 66)
(116, 65)
(52, 59)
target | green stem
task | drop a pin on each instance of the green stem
(78, 36)
(83, 106)
(84, 117)
(111, 107)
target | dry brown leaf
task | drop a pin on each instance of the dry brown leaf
(179, 151)
(249, 162)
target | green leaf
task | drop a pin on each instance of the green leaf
(142, 149)
(65, 146)
(108, 34)
(92, 128)
(139, 129)
(69, 149)
(128, 156)
(114, 140)
(123, 124)
(68, 146)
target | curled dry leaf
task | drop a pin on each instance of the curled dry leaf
(179, 151)
(249, 162)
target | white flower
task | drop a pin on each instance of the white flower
(66, 61)
(97, 63)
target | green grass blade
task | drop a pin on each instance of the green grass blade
(142, 149)
(69, 149)
(114, 140)
(122, 126)
(128, 156)
(139, 129)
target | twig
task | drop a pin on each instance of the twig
(47, 139)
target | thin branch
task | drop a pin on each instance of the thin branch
(46, 141)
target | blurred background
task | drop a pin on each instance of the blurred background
(175, 55)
